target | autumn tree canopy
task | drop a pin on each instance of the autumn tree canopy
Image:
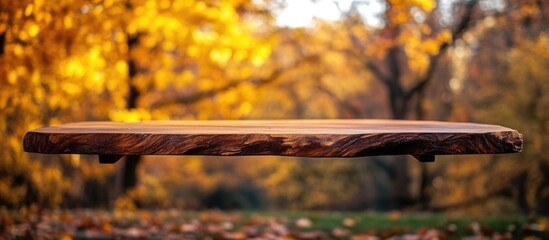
(135, 60)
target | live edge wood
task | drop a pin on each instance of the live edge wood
(300, 138)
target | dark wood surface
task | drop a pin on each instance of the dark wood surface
(301, 138)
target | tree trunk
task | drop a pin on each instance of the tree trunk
(2, 42)
(543, 199)
(424, 195)
(400, 180)
(425, 179)
(521, 182)
(129, 173)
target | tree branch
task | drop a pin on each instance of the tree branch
(258, 82)
(367, 64)
(355, 112)
(376, 71)
(393, 64)
(457, 33)
(198, 96)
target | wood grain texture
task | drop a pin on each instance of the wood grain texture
(301, 138)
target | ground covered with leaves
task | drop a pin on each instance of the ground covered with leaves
(175, 224)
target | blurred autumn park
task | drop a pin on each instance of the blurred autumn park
(135, 60)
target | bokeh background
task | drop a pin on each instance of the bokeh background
(135, 60)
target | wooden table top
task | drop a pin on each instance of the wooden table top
(300, 138)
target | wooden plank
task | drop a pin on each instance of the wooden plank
(300, 138)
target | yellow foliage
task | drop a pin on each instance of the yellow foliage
(69, 61)
(400, 11)
(130, 115)
(33, 30)
(221, 55)
(260, 55)
(12, 77)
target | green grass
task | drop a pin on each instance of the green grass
(379, 224)
(397, 223)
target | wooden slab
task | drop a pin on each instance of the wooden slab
(300, 138)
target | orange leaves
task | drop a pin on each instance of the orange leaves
(131, 115)
(424, 5)
(208, 44)
(432, 45)
(12, 77)
(419, 48)
(402, 11)
(33, 30)
(379, 48)
(74, 69)
(407, 28)
(260, 55)
(221, 56)
(28, 31)
(28, 10)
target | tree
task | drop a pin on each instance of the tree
(134, 60)
(111, 59)
(402, 55)
(503, 83)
